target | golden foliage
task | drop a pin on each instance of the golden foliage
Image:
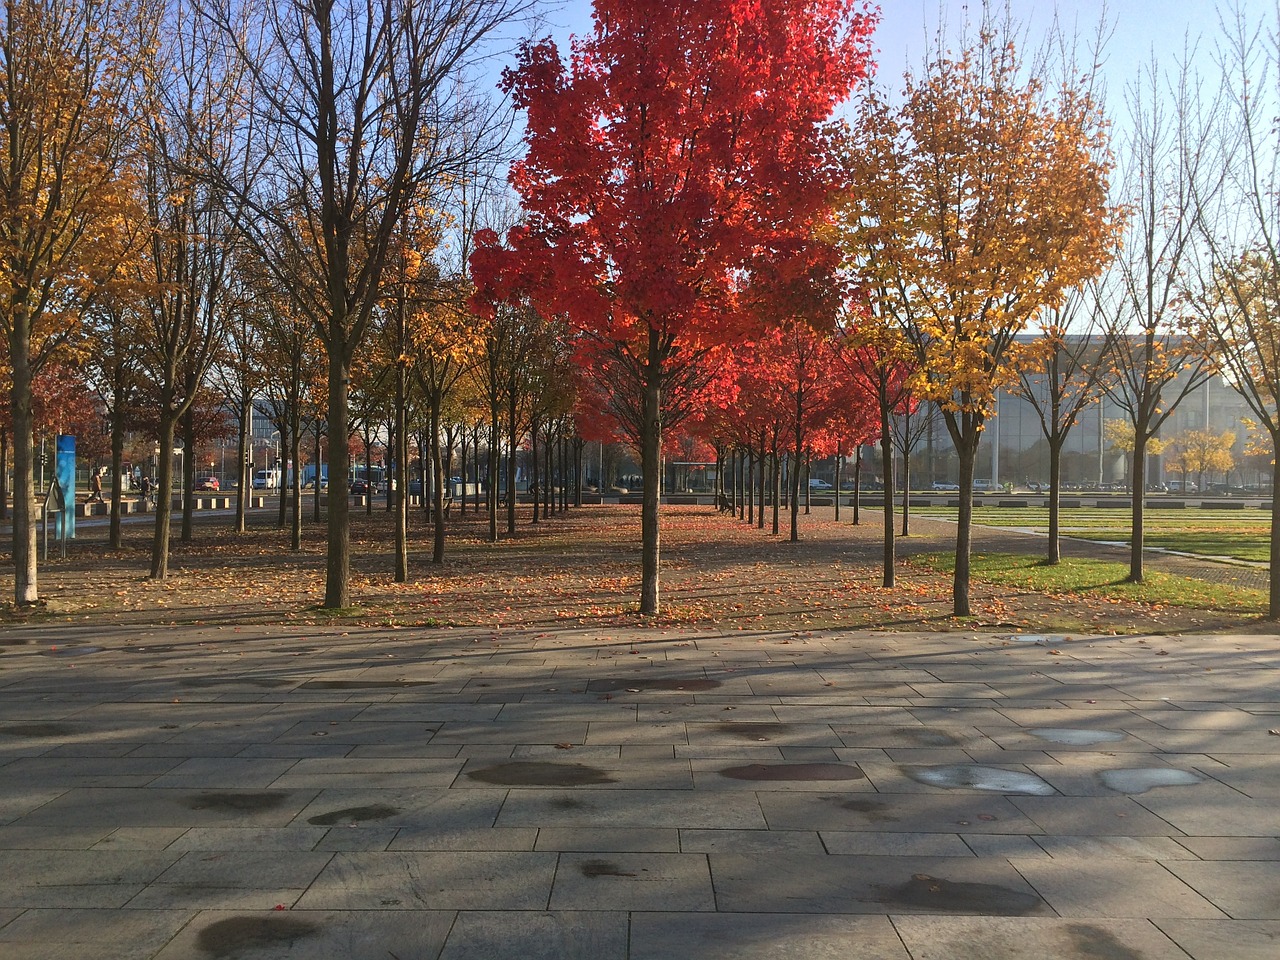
(973, 206)
(67, 189)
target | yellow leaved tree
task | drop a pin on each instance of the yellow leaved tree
(67, 73)
(975, 203)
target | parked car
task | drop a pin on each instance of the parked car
(945, 485)
(207, 484)
(816, 484)
(360, 488)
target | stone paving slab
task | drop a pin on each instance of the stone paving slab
(1225, 939)
(256, 793)
(747, 936)
(988, 938)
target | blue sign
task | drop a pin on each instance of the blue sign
(65, 471)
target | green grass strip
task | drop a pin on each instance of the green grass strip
(1224, 533)
(1098, 578)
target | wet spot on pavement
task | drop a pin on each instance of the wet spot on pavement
(937, 894)
(876, 811)
(603, 868)
(377, 811)
(966, 776)
(752, 729)
(1141, 779)
(236, 936)
(541, 774)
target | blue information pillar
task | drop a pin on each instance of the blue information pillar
(65, 471)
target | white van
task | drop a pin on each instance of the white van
(980, 486)
(266, 480)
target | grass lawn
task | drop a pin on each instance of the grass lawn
(1098, 579)
(1242, 534)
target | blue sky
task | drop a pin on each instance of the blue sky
(1140, 28)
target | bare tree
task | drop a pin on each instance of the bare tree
(1237, 295)
(114, 370)
(346, 99)
(1156, 365)
(1066, 371)
(239, 375)
(190, 243)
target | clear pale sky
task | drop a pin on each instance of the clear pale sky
(1139, 28)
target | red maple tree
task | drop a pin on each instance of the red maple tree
(680, 147)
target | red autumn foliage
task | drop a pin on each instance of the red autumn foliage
(680, 148)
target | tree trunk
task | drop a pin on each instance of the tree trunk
(1273, 591)
(579, 447)
(337, 590)
(1136, 495)
(295, 482)
(564, 472)
(388, 453)
(650, 465)
(164, 495)
(188, 474)
(886, 456)
(808, 487)
(839, 479)
(4, 474)
(906, 493)
(428, 474)
(399, 478)
(857, 485)
(795, 502)
(244, 488)
(511, 461)
(462, 472)
(763, 458)
(437, 483)
(1055, 499)
(775, 488)
(368, 472)
(316, 496)
(535, 489)
(282, 506)
(494, 471)
(968, 454)
(115, 538)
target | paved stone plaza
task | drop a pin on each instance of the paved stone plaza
(259, 793)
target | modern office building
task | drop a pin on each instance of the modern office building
(1014, 449)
